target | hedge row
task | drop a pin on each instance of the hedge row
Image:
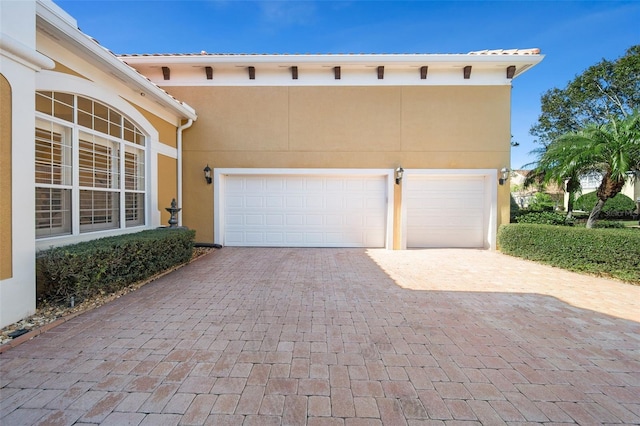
(543, 218)
(108, 264)
(607, 252)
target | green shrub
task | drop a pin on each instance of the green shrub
(606, 252)
(514, 208)
(108, 264)
(620, 203)
(544, 218)
(542, 202)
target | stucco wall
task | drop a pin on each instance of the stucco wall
(435, 127)
(166, 131)
(167, 185)
(17, 289)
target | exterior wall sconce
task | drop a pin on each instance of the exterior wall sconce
(504, 175)
(399, 173)
(207, 174)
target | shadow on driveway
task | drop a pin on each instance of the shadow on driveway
(339, 336)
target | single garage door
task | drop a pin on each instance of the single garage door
(304, 211)
(445, 211)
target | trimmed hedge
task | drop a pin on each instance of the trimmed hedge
(544, 218)
(619, 204)
(106, 265)
(606, 252)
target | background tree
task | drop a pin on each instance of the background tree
(611, 150)
(550, 169)
(606, 89)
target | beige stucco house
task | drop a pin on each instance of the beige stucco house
(304, 148)
(389, 151)
(88, 145)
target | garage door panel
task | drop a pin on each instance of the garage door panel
(373, 222)
(293, 202)
(314, 203)
(254, 185)
(442, 215)
(274, 202)
(313, 185)
(233, 201)
(334, 237)
(294, 238)
(445, 211)
(440, 238)
(333, 220)
(235, 219)
(295, 220)
(274, 238)
(356, 221)
(335, 211)
(254, 237)
(354, 185)
(294, 184)
(334, 203)
(334, 184)
(455, 222)
(314, 238)
(274, 220)
(234, 238)
(314, 220)
(354, 203)
(234, 186)
(254, 220)
(253, 202)
(274, 185)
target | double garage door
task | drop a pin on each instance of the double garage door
(349, 210)
(305, 210)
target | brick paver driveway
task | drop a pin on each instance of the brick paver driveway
(340, 337)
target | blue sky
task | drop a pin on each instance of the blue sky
(571, 34)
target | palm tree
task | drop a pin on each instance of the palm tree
(611, 150)
(550, 169)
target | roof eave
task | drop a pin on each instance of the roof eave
(334, 59)
(60, 25)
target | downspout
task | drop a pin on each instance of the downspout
(180, 129)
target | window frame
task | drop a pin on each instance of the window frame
(115, 169)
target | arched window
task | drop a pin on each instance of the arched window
(89, 167)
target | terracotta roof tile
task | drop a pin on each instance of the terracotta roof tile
(533, 51)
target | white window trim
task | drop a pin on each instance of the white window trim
(57, 82)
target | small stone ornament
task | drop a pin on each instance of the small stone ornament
(173, 210)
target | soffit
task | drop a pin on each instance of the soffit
(56, 24)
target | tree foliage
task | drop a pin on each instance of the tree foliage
(604, 90)
(542, 202)
(611, 150)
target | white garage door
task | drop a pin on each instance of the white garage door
(304, 211)
(445, 211)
